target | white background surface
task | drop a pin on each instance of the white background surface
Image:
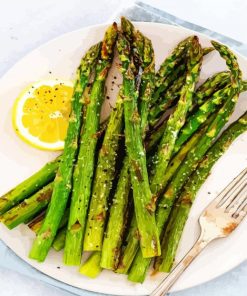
(26, 24)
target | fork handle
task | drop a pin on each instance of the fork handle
(176, 272)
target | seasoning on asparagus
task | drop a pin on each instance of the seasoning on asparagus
(129, 252)
(168, 66)
(177, 119)
(190, 162)
(117, 220)
(26, 210)
(63, 180)
(179, 214)
(211, 85)
(137, 156)
(200, 116)
(166, 100)
(196, 154)
(28, 187)
(59, 240)
(138, 264)
(83, 173)
(103, 179)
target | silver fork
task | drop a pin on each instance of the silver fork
(218, 220)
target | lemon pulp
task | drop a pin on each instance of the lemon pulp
(41, 113)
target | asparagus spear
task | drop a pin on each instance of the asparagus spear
(167, 100)
(207, 50)
(195, 120)
(196, 154)
(179, 214)
(200, 116)
(142, 48)
(91, 268)
(171, 62)
(190, 162)
(63, 180)
(27, 209)
(147, 82)
(171, 78)
(137, 157)
(154, 137)
(143, 53)
(117, 220)
(212, 84)
(129, 252)
(103, 180)
(36, 223)
(141, 264)
(59, 241)
(199, 98)
(177, 119)
(179, 72)
(28, 187)
(83, 173)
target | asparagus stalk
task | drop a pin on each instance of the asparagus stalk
(167, 100)
(171, 78)
(141, 264)
(190, 162)
(195, 120)
(196, 154)
(26, 210)
(178, 73)
(206, 90)
(207, 50)
(179, 214)
(113, 239)
(199, 98)
(171, 62)
(147, 82)
(154, 137)
(200, 116)
(63, 180)
(28, 187)
(117, 221)
(83, 173)
(137, 157)
(211, 85)
(36, 223)
(177, 119)
(129, 252)
(103, 180)
(91, 268)
(59, 241)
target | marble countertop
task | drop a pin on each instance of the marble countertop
(26, 24)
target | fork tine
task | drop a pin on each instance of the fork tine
(235, 195)
(240, 205)
(239, 216)
(223, 196)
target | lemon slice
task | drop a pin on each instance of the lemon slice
(41, 113)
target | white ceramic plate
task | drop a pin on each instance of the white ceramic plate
(59, 59)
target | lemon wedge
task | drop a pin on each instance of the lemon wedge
(41, 113)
